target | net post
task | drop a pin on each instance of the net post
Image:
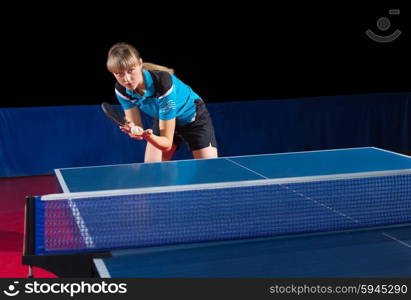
(28, 243)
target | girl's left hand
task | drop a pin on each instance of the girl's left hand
(139, 133)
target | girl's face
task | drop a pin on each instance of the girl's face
(130, 78)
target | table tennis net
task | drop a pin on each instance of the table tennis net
(224, 213)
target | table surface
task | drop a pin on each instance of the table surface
(366, 253)
(231, 169)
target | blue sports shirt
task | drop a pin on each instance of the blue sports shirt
(166, 97)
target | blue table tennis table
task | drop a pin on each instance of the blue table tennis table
(371, 252)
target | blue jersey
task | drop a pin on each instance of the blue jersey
(165, 98)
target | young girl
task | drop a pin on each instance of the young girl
(178, 113)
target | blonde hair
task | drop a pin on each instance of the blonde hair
(122, 56)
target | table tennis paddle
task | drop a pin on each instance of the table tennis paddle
(112, 114)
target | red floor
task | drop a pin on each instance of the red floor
(12, 196)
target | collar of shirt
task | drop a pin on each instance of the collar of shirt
(149, 91)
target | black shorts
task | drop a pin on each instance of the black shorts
(198, 134)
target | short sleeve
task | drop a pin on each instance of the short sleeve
(167, 106)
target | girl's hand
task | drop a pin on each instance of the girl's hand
(139, 133)
(136, 132)
(147, 133)
(127, 128)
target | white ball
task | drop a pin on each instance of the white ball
(136, 130)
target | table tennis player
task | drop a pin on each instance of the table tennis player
(178, 113)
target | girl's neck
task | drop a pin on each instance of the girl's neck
(141, 88)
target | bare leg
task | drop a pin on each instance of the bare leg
(208, 152)
(169, 155)
(153, 154)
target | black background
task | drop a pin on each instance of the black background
(55, 55)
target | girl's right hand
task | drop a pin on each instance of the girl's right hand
(127, 129)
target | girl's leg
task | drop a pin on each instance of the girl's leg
(169, 155)
(208, 152)
(153, 154)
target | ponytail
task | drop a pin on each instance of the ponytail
(154, 67)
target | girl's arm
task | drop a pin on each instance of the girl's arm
(133, 117)
(164, 141)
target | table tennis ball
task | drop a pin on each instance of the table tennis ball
(136, 130)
